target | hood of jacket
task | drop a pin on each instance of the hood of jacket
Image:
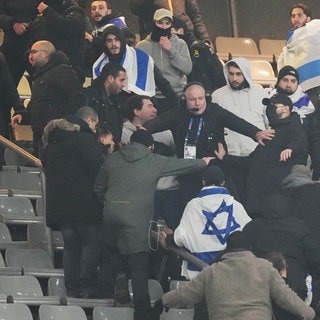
(58, 129)
(57, 58)
(243, 65)
(134, 151)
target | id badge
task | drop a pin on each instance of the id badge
(190, 152)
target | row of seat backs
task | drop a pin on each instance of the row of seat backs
(247, 47)
(20, 311)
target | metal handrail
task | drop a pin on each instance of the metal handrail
(37, 162)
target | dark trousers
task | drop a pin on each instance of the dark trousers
(81, 255)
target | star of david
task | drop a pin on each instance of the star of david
(211, 228)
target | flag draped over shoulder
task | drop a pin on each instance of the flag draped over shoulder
(139, 69)
(302, 51)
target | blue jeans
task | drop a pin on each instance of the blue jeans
(81, 255)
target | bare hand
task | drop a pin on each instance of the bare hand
(20, 27)
(285, 154)
(207, 159)
(41, 7)
(15, 120)
(163, 235)
(165, 43)
(265, 135)
(88, 36)
(221, 152)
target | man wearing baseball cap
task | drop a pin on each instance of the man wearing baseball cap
(170, 54)
(269, 164)
(288, 84)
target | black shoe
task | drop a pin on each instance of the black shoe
(121, 292)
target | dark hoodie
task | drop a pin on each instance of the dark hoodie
(54, 82)
(277, 230)
(120, 35)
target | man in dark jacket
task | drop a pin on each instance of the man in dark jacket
(102, 96)
(276, 230)
(197, 128)
(63, 23)
(72, 158)
(270, 164)
(54, 81)
(15, 18)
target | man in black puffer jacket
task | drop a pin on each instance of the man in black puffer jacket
(54, 82)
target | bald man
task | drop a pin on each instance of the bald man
(53, 84)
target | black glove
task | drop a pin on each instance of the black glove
(316, 173)
(158, 308)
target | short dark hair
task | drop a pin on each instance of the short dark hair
(135, 102)
(111, 69)
(306, 10)
(179, 23)
(102, 131)
(232, 64)
(277, 259)
(106, 1)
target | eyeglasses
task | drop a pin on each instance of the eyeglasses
(34, 51)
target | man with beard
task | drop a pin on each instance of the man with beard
(55, 81)
(268, 165)
(101, 16)
(142, 75)
(244, 99)
(170, 54)
(288, 84)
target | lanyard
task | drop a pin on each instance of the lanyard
(198, 131)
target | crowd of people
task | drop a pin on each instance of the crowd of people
(166, 131)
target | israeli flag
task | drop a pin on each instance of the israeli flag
(302, 51)
(139, 69)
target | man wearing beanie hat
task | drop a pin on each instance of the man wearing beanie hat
(142, 74)
(288, 84)
(127, 182)
(207, 222)
(170, 54)
(269, 164)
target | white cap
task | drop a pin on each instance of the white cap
(162, 13)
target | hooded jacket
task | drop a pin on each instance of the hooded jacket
(277, 230)
(246, 103)
(71, 159)
(127, 182)
(174, 65)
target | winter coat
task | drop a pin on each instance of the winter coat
(276, 230)
(239, 287)
(187, 10)
(53, 85)
(71, 159)
(107, 108)
(266, 171)
(174, 65)
(65, 28)
(246, 104)
(127, 181)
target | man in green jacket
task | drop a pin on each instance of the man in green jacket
(127, 181)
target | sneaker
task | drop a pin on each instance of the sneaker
(121, 292)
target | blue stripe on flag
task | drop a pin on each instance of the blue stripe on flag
(142, 64)
(309, 70)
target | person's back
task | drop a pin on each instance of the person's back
(239, 287)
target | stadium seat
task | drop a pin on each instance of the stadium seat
(23, 88)
(155, 290)
(262, 72)
(112, 313)
(50, 312)
(271, 46)
(15, 311)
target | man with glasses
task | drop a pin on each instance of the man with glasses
(53, 84)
